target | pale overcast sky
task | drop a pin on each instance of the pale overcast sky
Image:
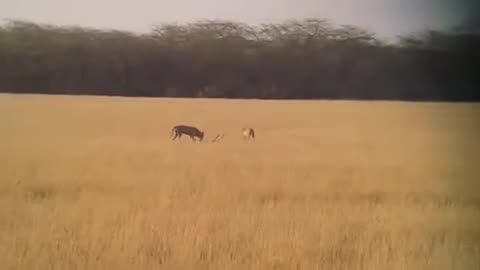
(386, 18)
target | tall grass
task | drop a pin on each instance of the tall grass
(96, 183)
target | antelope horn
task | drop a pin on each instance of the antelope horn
(218, 138)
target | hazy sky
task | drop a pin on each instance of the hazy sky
(386, 18)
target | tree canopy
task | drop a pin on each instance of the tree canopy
(295, 59)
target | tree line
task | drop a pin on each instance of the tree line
(295, 59)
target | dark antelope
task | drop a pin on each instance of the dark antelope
(187, 130)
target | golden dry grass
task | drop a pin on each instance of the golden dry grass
(96, 183)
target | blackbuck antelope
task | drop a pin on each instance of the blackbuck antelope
(248, 133)
(187, 130)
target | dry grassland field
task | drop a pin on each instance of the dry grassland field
(97, 183)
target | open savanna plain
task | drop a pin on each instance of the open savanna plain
(97, 183)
